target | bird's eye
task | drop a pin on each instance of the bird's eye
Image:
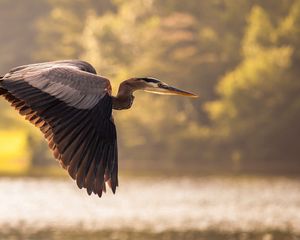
(160, 85)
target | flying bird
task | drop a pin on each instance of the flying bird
(72, 106)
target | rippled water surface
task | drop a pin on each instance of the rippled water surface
(195, 207)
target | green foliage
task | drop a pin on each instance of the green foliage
(259, 100)
(241, 57)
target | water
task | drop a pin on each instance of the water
(152, 208)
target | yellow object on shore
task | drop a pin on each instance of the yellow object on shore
(14, 157)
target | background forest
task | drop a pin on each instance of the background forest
(241, 57)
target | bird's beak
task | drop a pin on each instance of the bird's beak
(165, 89)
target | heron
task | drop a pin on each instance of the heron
(72, 106)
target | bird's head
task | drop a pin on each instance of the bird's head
(156, 86)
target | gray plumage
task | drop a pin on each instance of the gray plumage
(69, 81)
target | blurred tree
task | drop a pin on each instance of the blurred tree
(258, 111)
(18, 31)
(178, 42)
(60, 30)
(240, 56)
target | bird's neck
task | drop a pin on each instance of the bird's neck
(124, 98)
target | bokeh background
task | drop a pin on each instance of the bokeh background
(223, 166)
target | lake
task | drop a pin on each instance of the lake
(264, 208)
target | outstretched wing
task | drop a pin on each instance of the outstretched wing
(73, 108)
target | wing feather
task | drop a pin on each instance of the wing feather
(73, 109)
(71, 82)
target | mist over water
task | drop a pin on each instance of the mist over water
(237, 204)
